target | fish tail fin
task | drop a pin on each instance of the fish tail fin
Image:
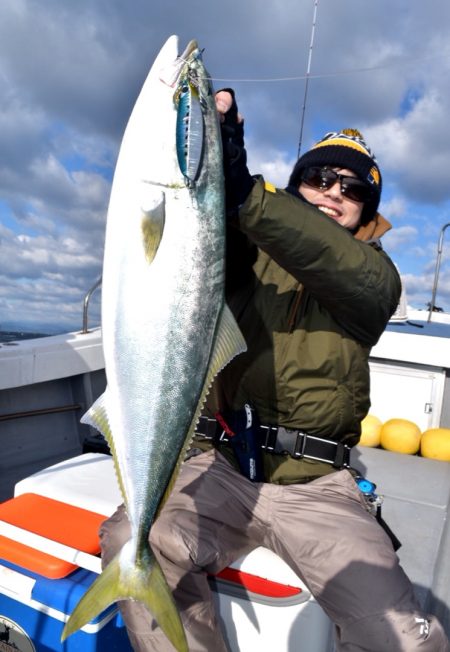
(127, 582)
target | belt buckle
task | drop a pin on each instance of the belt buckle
(342, 457)
(299, 451)
(270, 439)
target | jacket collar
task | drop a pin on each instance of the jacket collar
(374, 229)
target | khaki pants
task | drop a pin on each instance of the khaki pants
(321, 529)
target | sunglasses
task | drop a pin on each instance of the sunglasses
(324, 178)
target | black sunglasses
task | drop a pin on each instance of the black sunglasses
(323, 178)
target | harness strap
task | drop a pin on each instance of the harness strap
(281, 441)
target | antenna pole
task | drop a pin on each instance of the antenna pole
(308, 72)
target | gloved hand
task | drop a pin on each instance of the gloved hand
(238, 180)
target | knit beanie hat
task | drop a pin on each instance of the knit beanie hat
(348, 150)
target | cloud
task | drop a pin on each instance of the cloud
(415, 148)
(419, 290)
(395, 208)
(276, 166)
(70, 73)
(400, 237)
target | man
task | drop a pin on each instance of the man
(312, 291)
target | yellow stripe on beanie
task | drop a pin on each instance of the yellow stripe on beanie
(344, 142)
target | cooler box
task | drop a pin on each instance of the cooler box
(264, 606)
(34, 609)
(88, 481)
(39, 591)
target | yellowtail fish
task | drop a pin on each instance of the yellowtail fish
(166, 329)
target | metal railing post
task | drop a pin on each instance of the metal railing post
(86, 305)
(436, 273)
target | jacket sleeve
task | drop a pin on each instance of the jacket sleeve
(358, 284)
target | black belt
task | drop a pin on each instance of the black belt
(281, 441)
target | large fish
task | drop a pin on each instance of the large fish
(166, 329)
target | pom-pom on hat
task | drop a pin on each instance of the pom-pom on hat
(348, 150)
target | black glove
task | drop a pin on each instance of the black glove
(238, 180)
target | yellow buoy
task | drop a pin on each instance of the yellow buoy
(435, 443)
(400, 436)
(370, 431)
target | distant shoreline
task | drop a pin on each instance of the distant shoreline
(13, 336)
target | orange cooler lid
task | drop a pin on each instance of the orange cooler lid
(61, 522)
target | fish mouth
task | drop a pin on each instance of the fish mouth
(190, 48)
(171, 72)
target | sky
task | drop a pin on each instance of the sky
(70, 72)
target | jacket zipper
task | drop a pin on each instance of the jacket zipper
(295, 308)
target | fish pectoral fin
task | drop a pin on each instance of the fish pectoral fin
(153, 215)
(143, 582)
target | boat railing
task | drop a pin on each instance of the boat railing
(87, 298)
(436, 273)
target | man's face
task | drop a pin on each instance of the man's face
(347, 212)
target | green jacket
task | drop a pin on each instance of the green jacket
(311, 300)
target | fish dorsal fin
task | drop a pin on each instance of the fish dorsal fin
(153, 207)
(228, 343)
(97, 417)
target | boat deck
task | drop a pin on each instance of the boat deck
(47, 384)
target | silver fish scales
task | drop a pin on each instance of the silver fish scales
(166, 329)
